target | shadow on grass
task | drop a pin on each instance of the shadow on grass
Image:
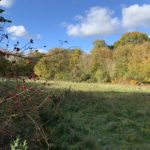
(97, 120)
(104, 120)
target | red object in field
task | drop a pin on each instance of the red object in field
(13, 62)
(29, 62)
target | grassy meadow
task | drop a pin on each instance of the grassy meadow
(67, 94)
(90, 116)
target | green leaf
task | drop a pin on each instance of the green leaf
(1, 10)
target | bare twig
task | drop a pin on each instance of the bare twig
(5, 100)
(40, 130)
(13, 115)
(42, 103)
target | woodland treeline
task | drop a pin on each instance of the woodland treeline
(128, 59)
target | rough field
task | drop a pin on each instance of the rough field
(94, 116)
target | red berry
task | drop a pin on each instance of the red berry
(13, 62)
(29, 62)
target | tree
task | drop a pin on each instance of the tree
(53, 65)
(132, 38)
(99, 43)
(121, 57)
(63, 66)
(139, 63)
(101, 56)
(25, 67)
(132, 62)
(74, 57)
(84, 66)
(4, 63)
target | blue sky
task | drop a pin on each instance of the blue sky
(80, 22)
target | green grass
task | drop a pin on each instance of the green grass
(96, 116)
(90, 87)
(104, 116)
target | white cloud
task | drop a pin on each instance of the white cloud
(17, 31)
(136, 16)
(98, 21)
(6, 3)
(42, 50)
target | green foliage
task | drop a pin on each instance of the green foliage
(84, 66)
(19, 145)
(132, 38)
(53, 63)
(99, 43)
(121, 57)
(59, 64)
(132, 62)
(1, 11)
(101, 76)
(101, 63)
(139, 62)
(127, 59)
(25, 67)
(41, 69)
(5, 65)
(2, 19)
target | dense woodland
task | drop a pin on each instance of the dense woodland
(127, 60)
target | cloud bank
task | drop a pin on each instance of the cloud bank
(136, 16)
(17, 31)
(102, 22)
(98, 21)
(20, 31)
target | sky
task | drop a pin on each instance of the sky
(79, 22)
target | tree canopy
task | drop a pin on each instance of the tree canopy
(132, 38)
